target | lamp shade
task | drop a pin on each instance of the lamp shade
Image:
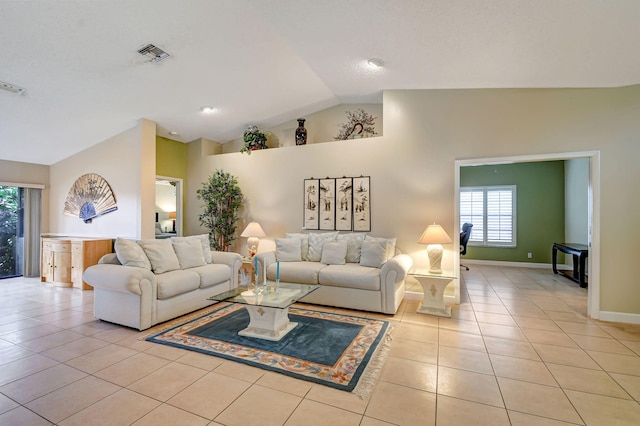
(434, 234)
(172, 215)
(253, 229)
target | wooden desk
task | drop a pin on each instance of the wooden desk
(580, 252)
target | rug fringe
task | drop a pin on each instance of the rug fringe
(371, 373)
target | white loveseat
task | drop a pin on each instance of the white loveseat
(354, 271)
(151, 281)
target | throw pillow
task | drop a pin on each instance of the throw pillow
(316, 241)
(189, 253)
(131, 254)
(161, 255)
(390, 243)
(334, 252)
(288, 249)
(374, 253)
(204, 242)
(304, 243)
(354, 246)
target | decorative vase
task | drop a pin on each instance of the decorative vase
(301, 133)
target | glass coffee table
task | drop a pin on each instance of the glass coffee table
(268, 307)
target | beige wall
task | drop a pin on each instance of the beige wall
(15, 173)
(413, 174)
(127, 162)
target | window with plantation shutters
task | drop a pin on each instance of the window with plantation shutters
(492, 211)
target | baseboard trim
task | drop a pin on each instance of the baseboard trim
(619, 317)
(513, 264)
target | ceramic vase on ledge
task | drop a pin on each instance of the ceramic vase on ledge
(301, 133)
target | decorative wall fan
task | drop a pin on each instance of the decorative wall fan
(89, 197)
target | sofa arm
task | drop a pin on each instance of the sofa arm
(123, 279)
(265, 259)
(232, 260)
(392, 276)
(399, 265)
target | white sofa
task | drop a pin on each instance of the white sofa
(368, 276)
(141, 288)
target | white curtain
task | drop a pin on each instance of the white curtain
(32, 213)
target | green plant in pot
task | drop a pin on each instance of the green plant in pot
(254, 139)
(222, 199)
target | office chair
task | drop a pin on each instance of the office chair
(465, 234)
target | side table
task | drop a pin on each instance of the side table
(247, 266)
(433, 286)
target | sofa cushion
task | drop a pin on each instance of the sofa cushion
(390, 242)
(350, 275)
(354, 246)
(161, 255)
(212, 274)
(374, 253)
(189, 253)
(296, 272)
(304, 243)
(316, 240)
(131, 254)
(204, 242)
(334, 252)
(177, 282)
(288, 249)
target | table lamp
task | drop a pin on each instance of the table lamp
(434, 236)
(253, 231)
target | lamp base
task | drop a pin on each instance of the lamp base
(435, 258)
(252, 246)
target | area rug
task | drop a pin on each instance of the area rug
(341, 351)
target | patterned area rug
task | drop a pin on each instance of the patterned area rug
(341, 351)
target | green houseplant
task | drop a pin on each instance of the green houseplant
(222, 199)
(254, 139)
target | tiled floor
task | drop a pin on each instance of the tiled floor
(519, 350)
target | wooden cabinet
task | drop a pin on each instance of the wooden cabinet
(63, 260)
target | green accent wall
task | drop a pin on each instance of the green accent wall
(171, 158)
(539, 208)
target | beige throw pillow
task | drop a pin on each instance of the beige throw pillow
(334, 252)
(189, 253)
(131, 254)
(304, 243)
(161, 255)
(374, 253)
(204, 242)
(288, 249)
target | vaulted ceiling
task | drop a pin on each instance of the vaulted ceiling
(267, 62)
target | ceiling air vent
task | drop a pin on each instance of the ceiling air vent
(154, 53)
(12, 88)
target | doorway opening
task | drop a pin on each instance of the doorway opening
(593, 221)
(168, 207)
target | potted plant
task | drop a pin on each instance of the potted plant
(254, 139)
(222, 199)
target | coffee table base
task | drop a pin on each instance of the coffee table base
(268, 323)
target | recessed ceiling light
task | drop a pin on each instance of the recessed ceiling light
(173, 133)
(375, 62)
(208, 110)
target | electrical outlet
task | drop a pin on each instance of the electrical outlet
(529, 255)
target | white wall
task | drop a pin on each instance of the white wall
(120, 161)
(412, 165)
